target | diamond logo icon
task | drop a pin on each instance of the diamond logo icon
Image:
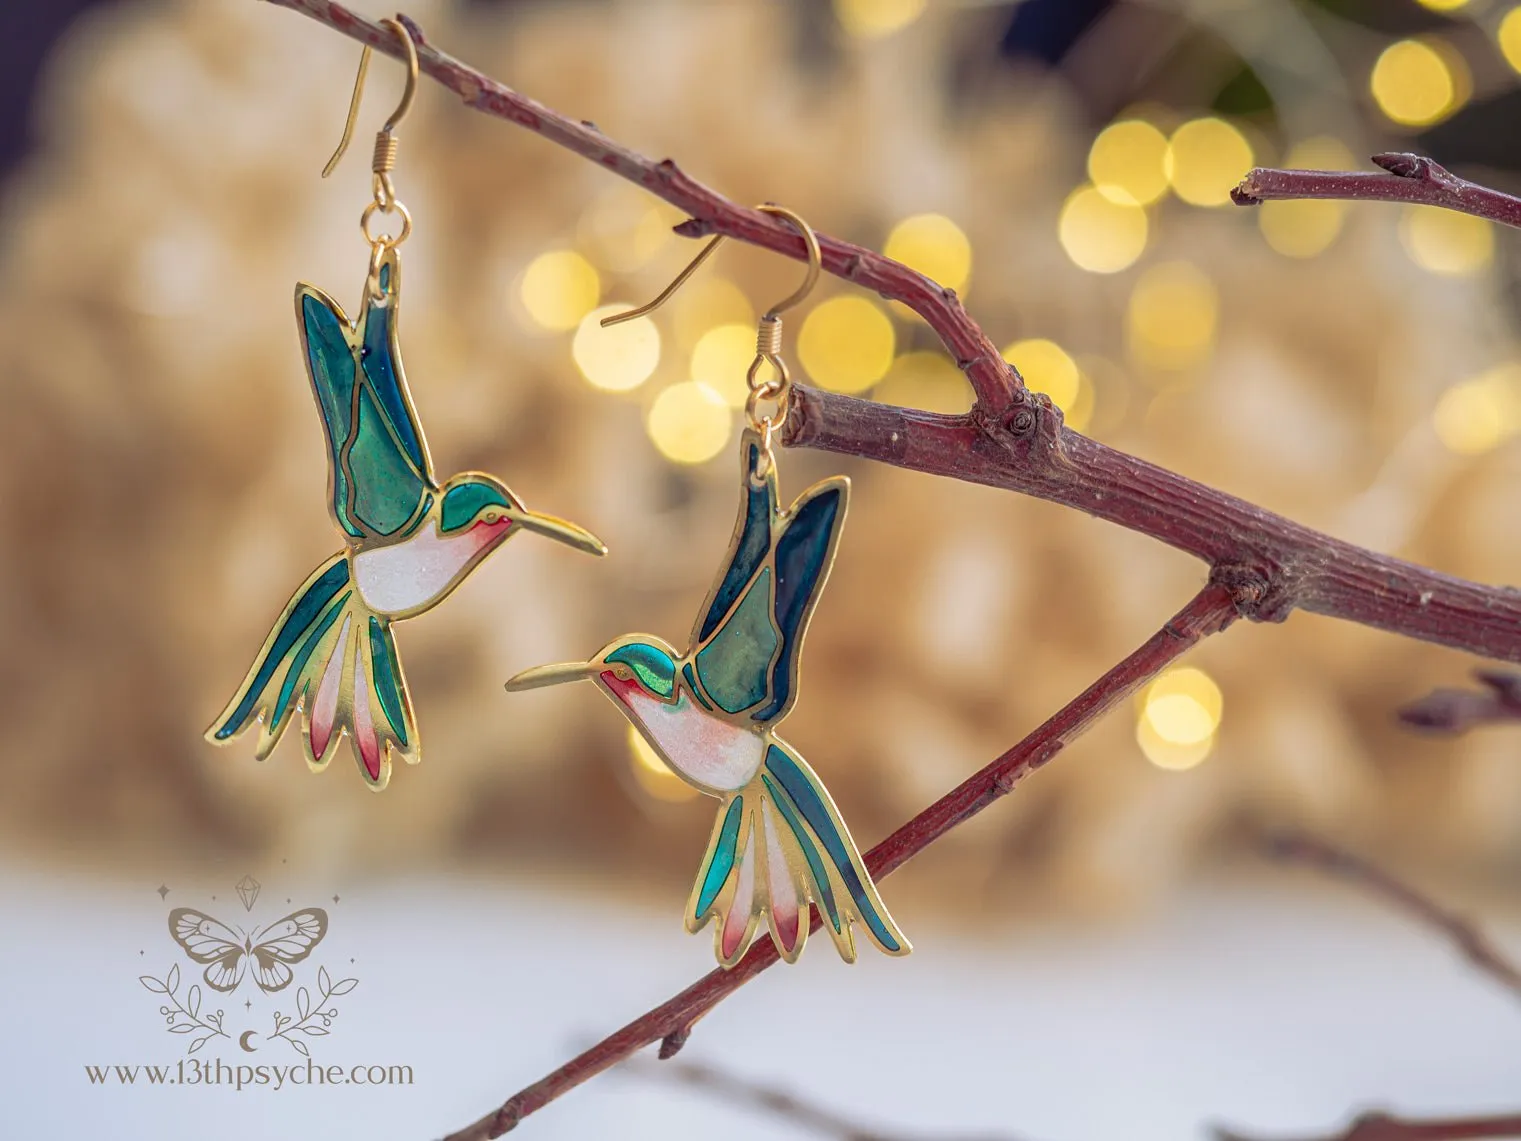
(248, 891)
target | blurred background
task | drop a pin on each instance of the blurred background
(1065, 165)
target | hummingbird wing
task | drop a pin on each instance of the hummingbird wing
(380, 476)
(332, 664)
(747, 650)
(750, 544)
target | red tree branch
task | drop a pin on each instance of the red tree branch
(1410, 178)
(1322, 855)
(1213, 609)
(1292, 566)
(1382, 1127)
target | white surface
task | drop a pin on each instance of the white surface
(1280, 1013)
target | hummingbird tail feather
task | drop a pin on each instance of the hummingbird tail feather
(336, 662)
(777, 846)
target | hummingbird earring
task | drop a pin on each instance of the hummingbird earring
(408, 540)
(778, 843)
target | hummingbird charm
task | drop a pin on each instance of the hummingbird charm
(778, 843)
(409, 541)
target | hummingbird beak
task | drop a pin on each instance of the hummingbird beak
(540, 676)
(567, 533)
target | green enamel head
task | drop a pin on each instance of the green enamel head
(473, 497)
(650, 664)
(468, 496)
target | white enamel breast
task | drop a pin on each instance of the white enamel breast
(706, 749)
(403, 577)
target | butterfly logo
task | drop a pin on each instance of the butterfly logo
(227, 951)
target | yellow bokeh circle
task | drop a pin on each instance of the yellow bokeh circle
(559, 288)
(1171, 318)
(846, 344)
(1180, 714)
(705, 302)
(870, 18)
(1510, 37)
(1446, 242)
(935, 246)
(721, 359)
(1127, 162)
(689, 422)
(1205, 158)
(1099, 234)
(1418, 82)
(1479, 414)
(618, 358)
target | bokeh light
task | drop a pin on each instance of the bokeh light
(1417, 82)
(652, 774)
(846, 344)
(1127, 162)
(935, 246)
(689, 422)
(1205, 158)
(1306, 227)
(706, 301)
(1479, 414)
(1048, 368)
(877, 17)
(1446, 242)
(1510, 37)
(1179, 717)
(623, 228)
(926, 380)
(1100, 234)
(722, 357)
(1170, 321)
(618, 358)
(559, 288)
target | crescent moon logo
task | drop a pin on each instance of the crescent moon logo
(243, 1041)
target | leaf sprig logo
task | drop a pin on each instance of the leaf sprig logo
(253, 962)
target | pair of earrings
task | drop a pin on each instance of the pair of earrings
(778, 844)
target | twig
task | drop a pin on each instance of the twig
(1013, 438)
(1410, 178)
(1383, 1127)
(1312, 851)
(777, 1102)
(1210, 611)
(1459, 710)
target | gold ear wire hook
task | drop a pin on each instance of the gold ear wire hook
(768, 338)
(815, 261)
(386, 132)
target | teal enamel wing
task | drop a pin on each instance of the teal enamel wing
(382, 479)
(750, 631)
(778, 843)
(408, 542)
